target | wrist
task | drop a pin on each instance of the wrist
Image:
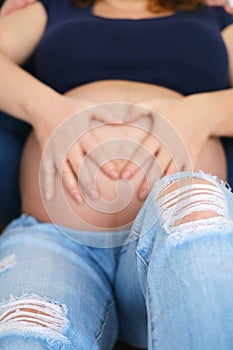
(204, 111)
(51, 111)
(41, 108)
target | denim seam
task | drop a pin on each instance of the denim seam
(131, 238)
(100, 333)
(151, 323)
(136, 233)
(141, 258)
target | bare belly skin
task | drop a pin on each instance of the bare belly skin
(118, 205)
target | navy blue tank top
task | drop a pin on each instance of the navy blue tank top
(184, 52)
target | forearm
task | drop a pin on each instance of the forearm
(22, 95)
(217, 108)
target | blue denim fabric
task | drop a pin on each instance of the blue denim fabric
(227, 143)
(164, 288)
(13, 134)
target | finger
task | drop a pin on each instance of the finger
(216, 2)
(98, 154)
(12, 5)
(70, 171)
(135, 112)
(164, 159)
(75, 157)
(153, 173)
(78, 163)
(113, 112)
(227, 4)
(229, 8)
(49, 171)
(87, 178)
(180, 158)
(173, 168)
(107, 115)
(157, 169)
(70, 182)
(146, 150)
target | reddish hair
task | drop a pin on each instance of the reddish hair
(158, 5)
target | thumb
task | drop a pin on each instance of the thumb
(106, 115)
(138, 111)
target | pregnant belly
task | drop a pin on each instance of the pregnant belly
(118, 203)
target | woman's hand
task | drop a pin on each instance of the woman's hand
(12, 5)
(67, 144)
(179, 132)
(227, 4)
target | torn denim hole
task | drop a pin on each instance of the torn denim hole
(191, 203)
(7, 263)
(34, 314)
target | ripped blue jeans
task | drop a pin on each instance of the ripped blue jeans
(169, 286)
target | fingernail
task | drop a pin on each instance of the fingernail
(78, 198)
(93, 194)
(126, 174)
(114, 174)
(143, 194)
(48, 195)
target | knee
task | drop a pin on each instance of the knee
(190, 203)
(34, 319)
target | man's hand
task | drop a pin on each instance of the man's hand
(227, 4)
(12, 5)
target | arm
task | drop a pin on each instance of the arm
(183, 127)
(227, 4)
(11, 5)
(218, 106)
(25, 97)
(22, 95)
